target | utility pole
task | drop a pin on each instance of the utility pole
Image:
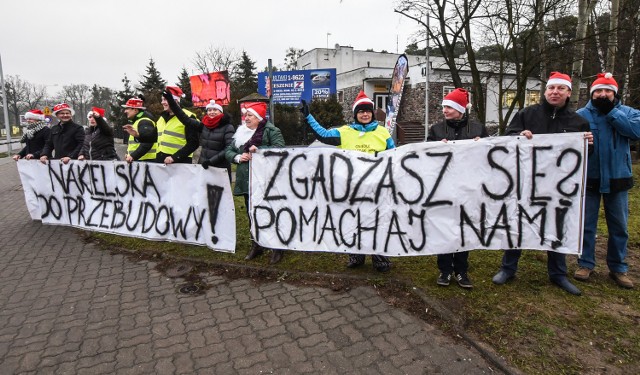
(5, 110)
(426, 85)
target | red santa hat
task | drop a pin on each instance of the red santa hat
(136, 103)
(362, 103)
(457, 99)
(604, 81)
(61, 107)
(34, 114)
(176, 92)
(214, 105)
(97, 110)
(557, 78)
(259, 109)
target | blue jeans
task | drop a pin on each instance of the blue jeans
(453, 262)
(616, 212)
(556, 263)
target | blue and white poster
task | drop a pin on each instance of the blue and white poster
(291, 86)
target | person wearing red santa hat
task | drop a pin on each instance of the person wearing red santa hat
(456, 126)
(98, 139)
(363, 134)
(176, 142)
(34, 135)
(551, 116)
(255, 133)
(216, 133)
(67, 137)
(141, 126)
(609, 177)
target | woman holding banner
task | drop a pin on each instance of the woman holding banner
(34, 135)
(363, 134)
(216, 133)
(456, 126)
(254, 133)
(98, 139)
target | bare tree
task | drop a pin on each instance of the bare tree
(216, 59)
(584, 9)
(17, 93)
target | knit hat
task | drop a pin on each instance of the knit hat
(362, 103)
(557, 78)
(62, 106)
(457, 99)
(214, 105)
(135, 103)
(604, 81)
(34, 114)
(176, 92)
(259, 109)
(97, 110)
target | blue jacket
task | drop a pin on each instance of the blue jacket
(334, 137)
(609, 167)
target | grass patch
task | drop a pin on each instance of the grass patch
(536, 326)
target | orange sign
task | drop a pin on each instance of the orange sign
(47, 111)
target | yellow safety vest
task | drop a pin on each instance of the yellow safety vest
(171, 135)
(134, 144)
(370, 142)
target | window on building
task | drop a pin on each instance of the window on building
(340, 96)
(508, 97)
(533, 97)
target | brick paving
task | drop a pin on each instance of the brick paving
(69, 307)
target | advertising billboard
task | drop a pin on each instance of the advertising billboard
(291, 86)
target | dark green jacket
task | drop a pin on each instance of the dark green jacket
(272, 137)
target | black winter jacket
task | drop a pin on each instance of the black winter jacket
(544, 118)
(66, 140)
(98, 142)
(457, 130)
(35, 145)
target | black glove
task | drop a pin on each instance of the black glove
(167, 95)
(206, 164)
(304, 108)
(603, 105)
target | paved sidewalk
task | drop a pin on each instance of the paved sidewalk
(69, 307)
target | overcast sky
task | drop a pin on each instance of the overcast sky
(89, 41)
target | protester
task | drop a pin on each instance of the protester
(363, 134)
(550, 116)
(254, 133)
(66, 138)
(216, 133)
(98, 139)
(142, 126)
(176, 142)
(456, 126)
(34, 135)
(609, 177)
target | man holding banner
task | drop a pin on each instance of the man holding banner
(364, 134)
(550, 116)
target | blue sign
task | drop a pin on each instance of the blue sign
(292, 86)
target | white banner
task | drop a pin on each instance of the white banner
(177, 202)
(425, 198)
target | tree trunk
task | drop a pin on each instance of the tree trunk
(584, 8)
(613, 36)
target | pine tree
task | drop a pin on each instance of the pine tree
(152, 85)
(244, 81)
(117, 116)
(185, 84)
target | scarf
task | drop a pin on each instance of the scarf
(31, 130)
(242, 135)
(212, 122)
(256, 138)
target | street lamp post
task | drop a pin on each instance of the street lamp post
(327, 58)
